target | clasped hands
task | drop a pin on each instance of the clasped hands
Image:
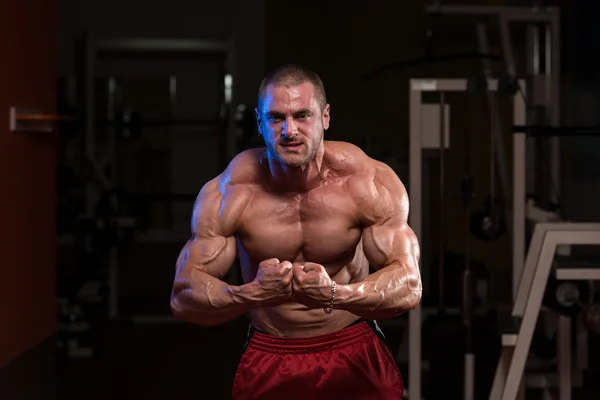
(282, 282)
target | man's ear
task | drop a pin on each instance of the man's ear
(326, 116)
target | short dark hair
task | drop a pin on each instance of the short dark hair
(292, 75)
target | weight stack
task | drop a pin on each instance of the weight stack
(444, 348)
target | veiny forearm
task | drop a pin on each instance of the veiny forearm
(208, 301)
(387, 293)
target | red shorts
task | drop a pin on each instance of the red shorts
(353, 363)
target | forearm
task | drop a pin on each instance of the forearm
(208, 301)
(386, 293)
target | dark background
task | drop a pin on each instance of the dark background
(41, 258)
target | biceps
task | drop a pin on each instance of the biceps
(388, 244)
(213, 256)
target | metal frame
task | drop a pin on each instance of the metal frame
(551, 78)
(91, 50)
(416, 88)
(545, 241)
(508, 14)
(92, 47)
(505, 15)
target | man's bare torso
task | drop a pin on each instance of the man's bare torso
(320, 226)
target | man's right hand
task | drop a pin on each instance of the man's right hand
(274, 282)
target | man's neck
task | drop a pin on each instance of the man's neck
(298, 179)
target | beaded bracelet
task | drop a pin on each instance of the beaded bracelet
(329, 309)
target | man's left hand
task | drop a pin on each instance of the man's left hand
(312, 285)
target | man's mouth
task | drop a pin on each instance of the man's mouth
(291, 145)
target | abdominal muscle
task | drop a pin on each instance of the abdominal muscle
(296, 320)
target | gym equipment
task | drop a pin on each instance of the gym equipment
(477, 84)
(478, 334)
(549, 80)
(592, 318)
(116, 218)
(25, 120)
(417, 120)
(527, 306)
(429, 59)
(487, 223)
(521, 211)
(568, 297)
(99, 221)
(442, 225)
(463, 345)
(114, 225)
(79, 317)
(463, 335)
(128, 124)
(69, 198)
(81, 298)
(509, 85)
(467, 286)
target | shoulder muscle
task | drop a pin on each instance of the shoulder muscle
(379, 194)
(383, 204)
(222, 200)
(215, 218)
(219, 207)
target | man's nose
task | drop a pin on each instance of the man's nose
(289, 127)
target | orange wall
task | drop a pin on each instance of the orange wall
(28, 51)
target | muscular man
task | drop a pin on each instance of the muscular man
(305, 217)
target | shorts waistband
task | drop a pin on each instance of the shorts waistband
(343, 337)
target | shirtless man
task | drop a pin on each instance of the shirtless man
(305, 217)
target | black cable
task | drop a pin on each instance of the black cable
(429, 60)
(467, 193)
(442, 249)
(546, 166)
(492, 200)
(543, 157)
